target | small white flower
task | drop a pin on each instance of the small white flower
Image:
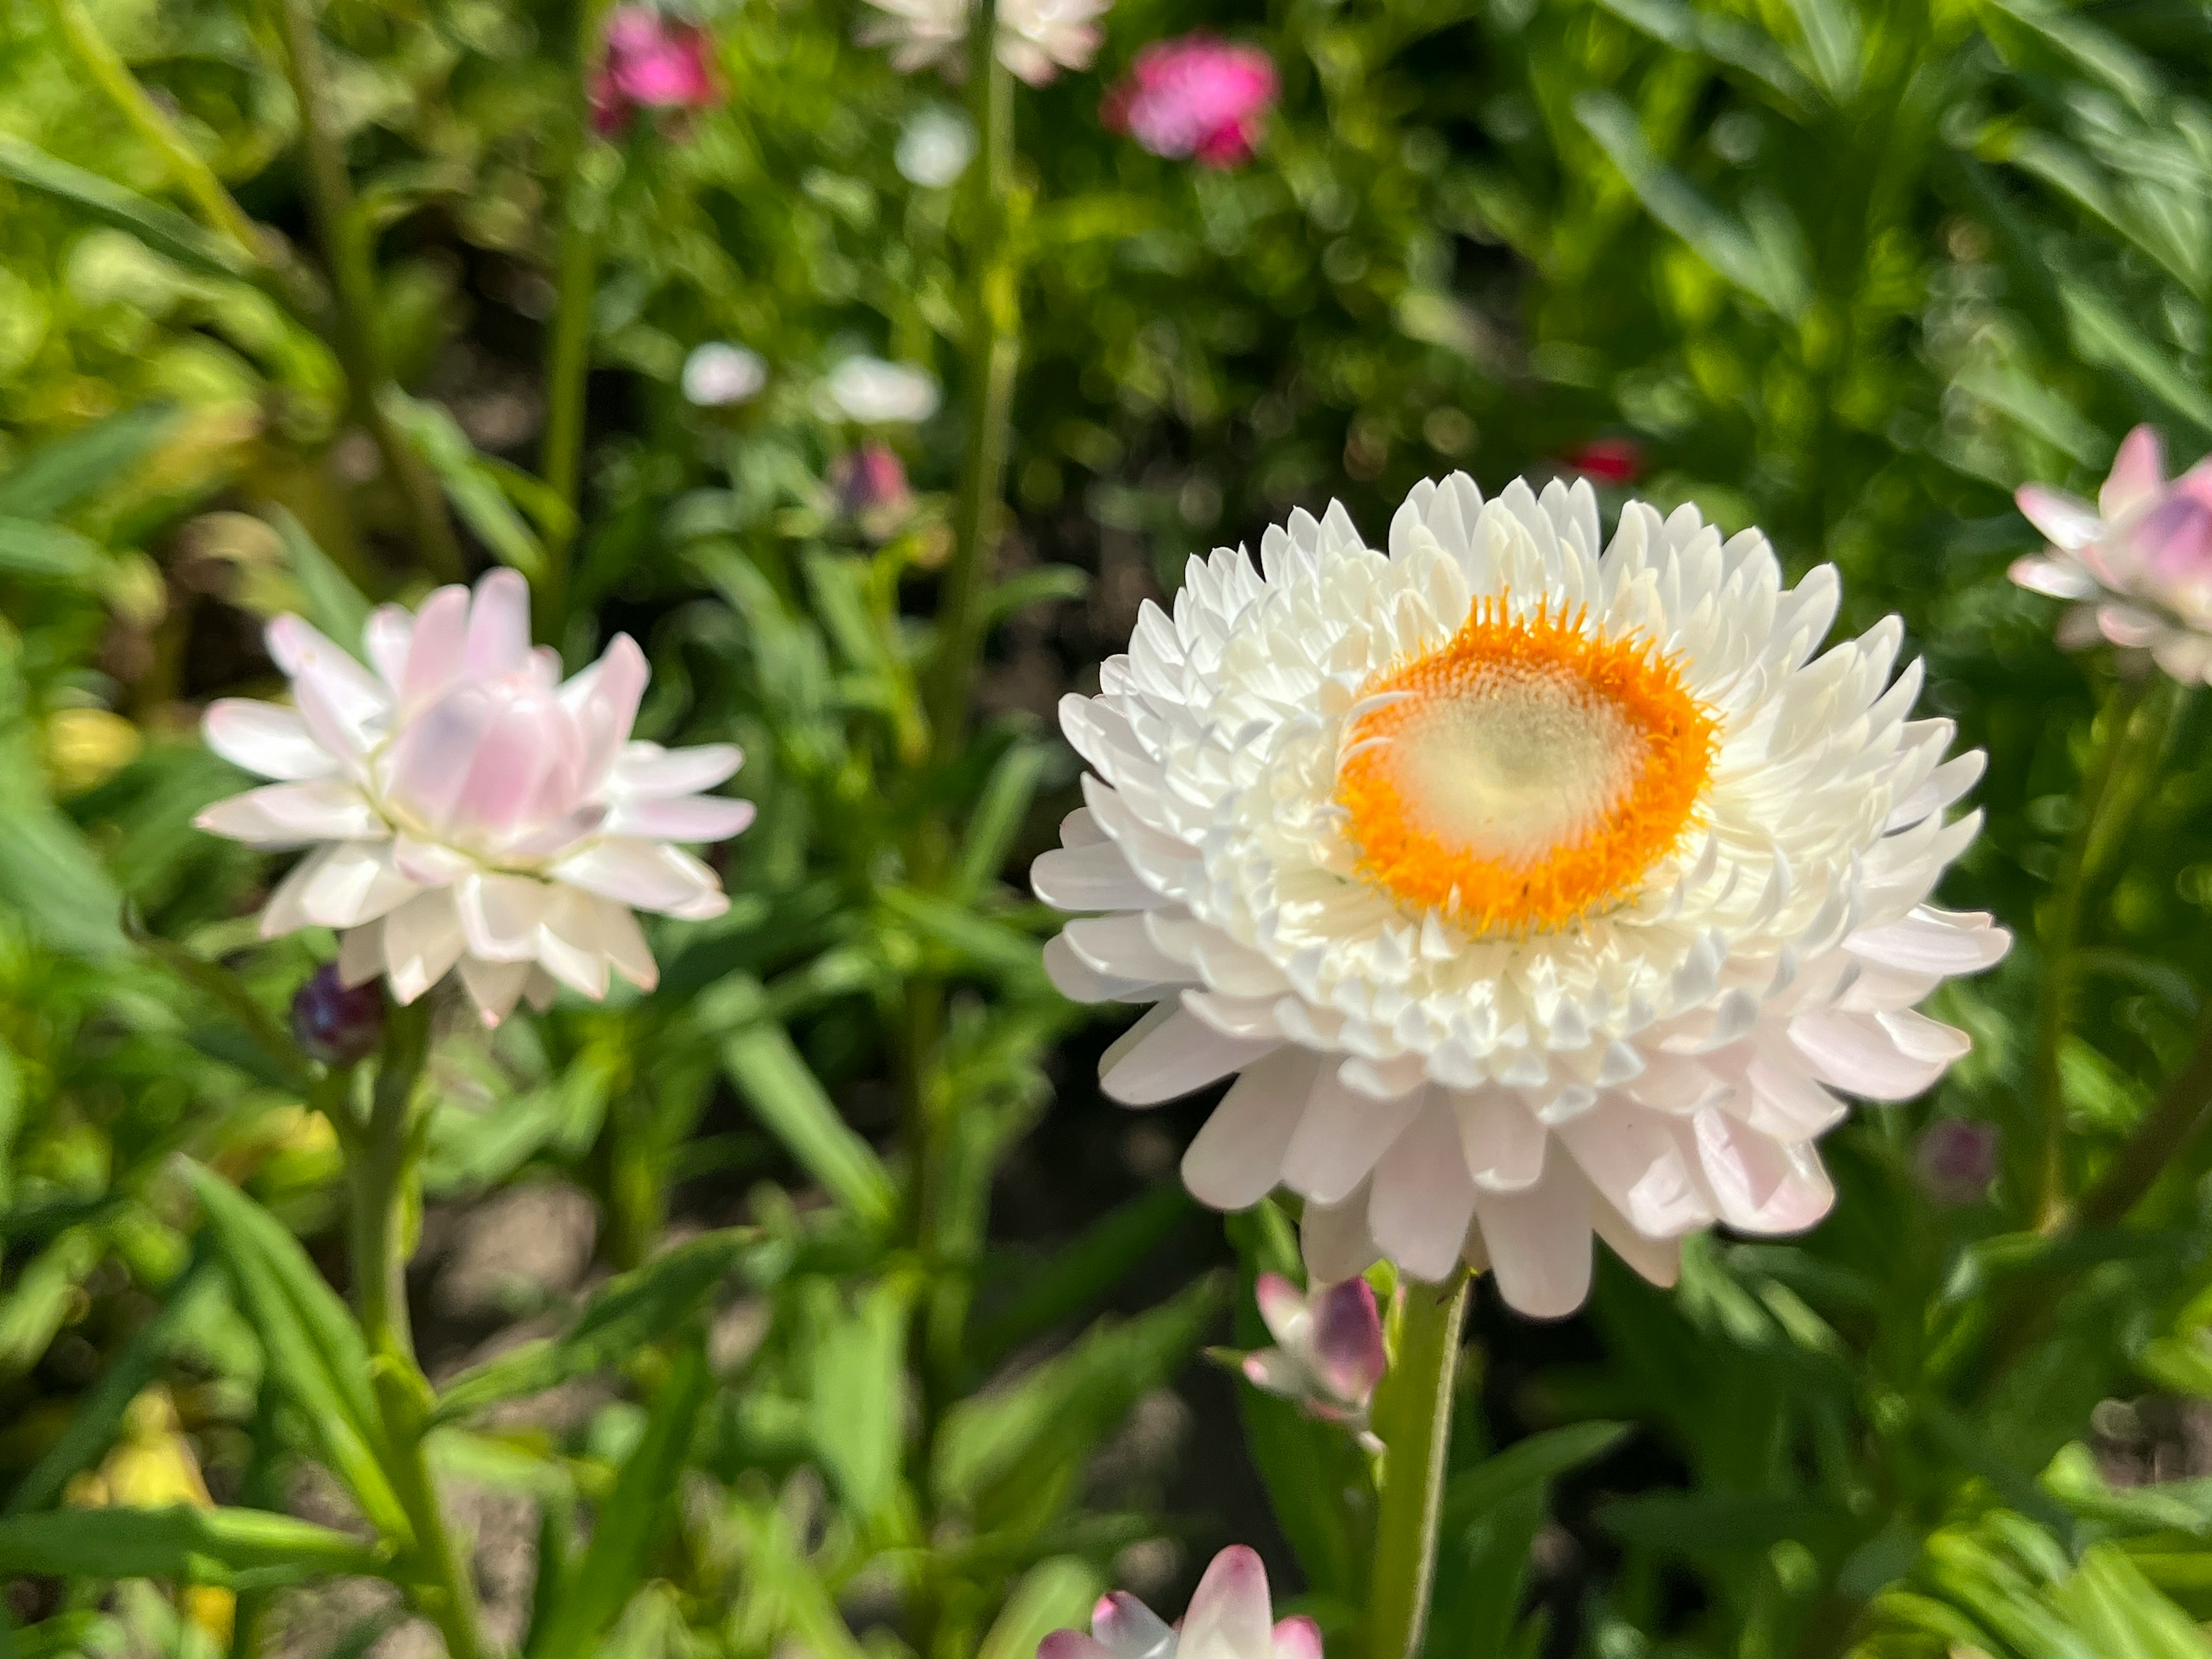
(718, 374)
(467, 810)
(1037, 38)
(1232, 1616)
(875, 393)
(1530, 890)
(935, 148)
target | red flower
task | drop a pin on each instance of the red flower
(1607, 460)
(651, 63)
(1198, 96)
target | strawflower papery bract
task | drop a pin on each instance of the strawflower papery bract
(2139, 563)
(1328, 1352)
(1230, 1616)
(651, 63)
(467, 809)
(1037, 38)
(1530, 890)
(1198, 96)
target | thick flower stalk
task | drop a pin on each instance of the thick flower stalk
(2137, 565)
(1037, 38)
(1198, 97)
(1328, 1352)
(466, 810)
(1230, 1617)
(651, 63)
(1531, 891)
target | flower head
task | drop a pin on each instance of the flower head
(336, 1022)
(1328, 1352)
(2138, 564)
(1037, 38)
(651, 64)
(875, 393)
(1197, 96)
(1530, 890)
(466, 810)
(1617, 461)
(1956, 1160)
(1230, 1617)
(717, 374)
(871, 488)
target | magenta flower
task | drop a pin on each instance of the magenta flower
(1956, 1160)
(1198, 96)
(1616, 461)
(1328, 1354)
(651, 63)
(467, 810)
(2138, 564)
(871, 488)
(1232, 1616)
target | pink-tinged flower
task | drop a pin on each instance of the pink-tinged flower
(651, 63)
(1956, 1160)
(871, 488)
(2138, 564)
(1198, 96)
(1037, 38)
(1230, 1617)
(1328, 1354)
(467, 809)
(1616, 461)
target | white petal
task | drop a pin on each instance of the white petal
(1334, 1240)
(645, 875)
(681, 817)
(433, 652)
(355, 884)
(1763, 1186)
(497, 642)
(1230, 1616)
(500, 914)
(1237, 1157)
(313, 664)
(421, 942)
(389, 633)
(360, 953)
(284, 913)
(294, 815)
(1538, 1242)
(494, 986)
(1422, 1197)
(1503, 1143)
(1093, 877)
(264, 739)
(1182, 1053)
(1341, 1137)
(649, 771)
(1855, 1054)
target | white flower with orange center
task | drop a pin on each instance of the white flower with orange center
(1532, 890)
(467, 810)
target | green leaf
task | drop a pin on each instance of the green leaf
(998, 816)
(62, 471)
(1081, 1273)
(2105, 336)
(858, 1415)
(1040, 585)
(1527, 1464)
(239, 1548)
(165, 230)
(329, 601)
(627, 1314)
(472, 482)
(788, 1101)
(92, 1426)
(1053, 1594)
(48, 553)
(634, 1516)
(986, 945)
(315, 1351)
(49, 873)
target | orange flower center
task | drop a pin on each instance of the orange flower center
(1525, 774)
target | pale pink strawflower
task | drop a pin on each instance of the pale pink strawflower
(1328, 1352)
(651, 63)
(467, 810)
(1195, 97)
(1037, 38)
(1230, 1617)
(2138, 564)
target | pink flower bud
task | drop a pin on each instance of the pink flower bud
(336, 1022)
(1956, 1160)
(1195, 97)
(871, 487)
(1328, 1354)
(1232, 1616)
(651, 63)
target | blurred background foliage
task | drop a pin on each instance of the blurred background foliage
(1848, 269)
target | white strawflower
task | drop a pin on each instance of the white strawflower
(719, 373)
(875, 393)
(1232, 1616)
(935, 147)
(1037, 38)
(466, 808)
(1531, 891)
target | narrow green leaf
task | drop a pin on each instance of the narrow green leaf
(62, 471)
(472, 483)
(230, 1546)
(331, 602)
(1536, 1461)
(788, 1101)
(985, 943)
(48, 553)
(1039, 585)
(998, 816)
(859, 1396)
(165, 230)
(1078, 1273)
(1053, 1594)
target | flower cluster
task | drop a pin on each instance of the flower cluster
(650, 64)
(2138, 564)
(467, 810)
(1197, 96)
(1530, 889)
(1230, 1616)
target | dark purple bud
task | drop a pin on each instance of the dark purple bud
(871, 488)
(1957, 1159)
(336, 1022)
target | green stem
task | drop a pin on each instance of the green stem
(339, 228)
(191, 174)
(994, 354)
(1412, 1416)
(2054, 1010)
(379, 1171)
(2173, 1125)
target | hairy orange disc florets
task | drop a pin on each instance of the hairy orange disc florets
(1525, 774)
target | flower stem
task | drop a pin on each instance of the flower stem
(994, 350)
(191, 174)
(343, 234)
(2054, 1009)
(379, 1169)
(1412, 1416)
